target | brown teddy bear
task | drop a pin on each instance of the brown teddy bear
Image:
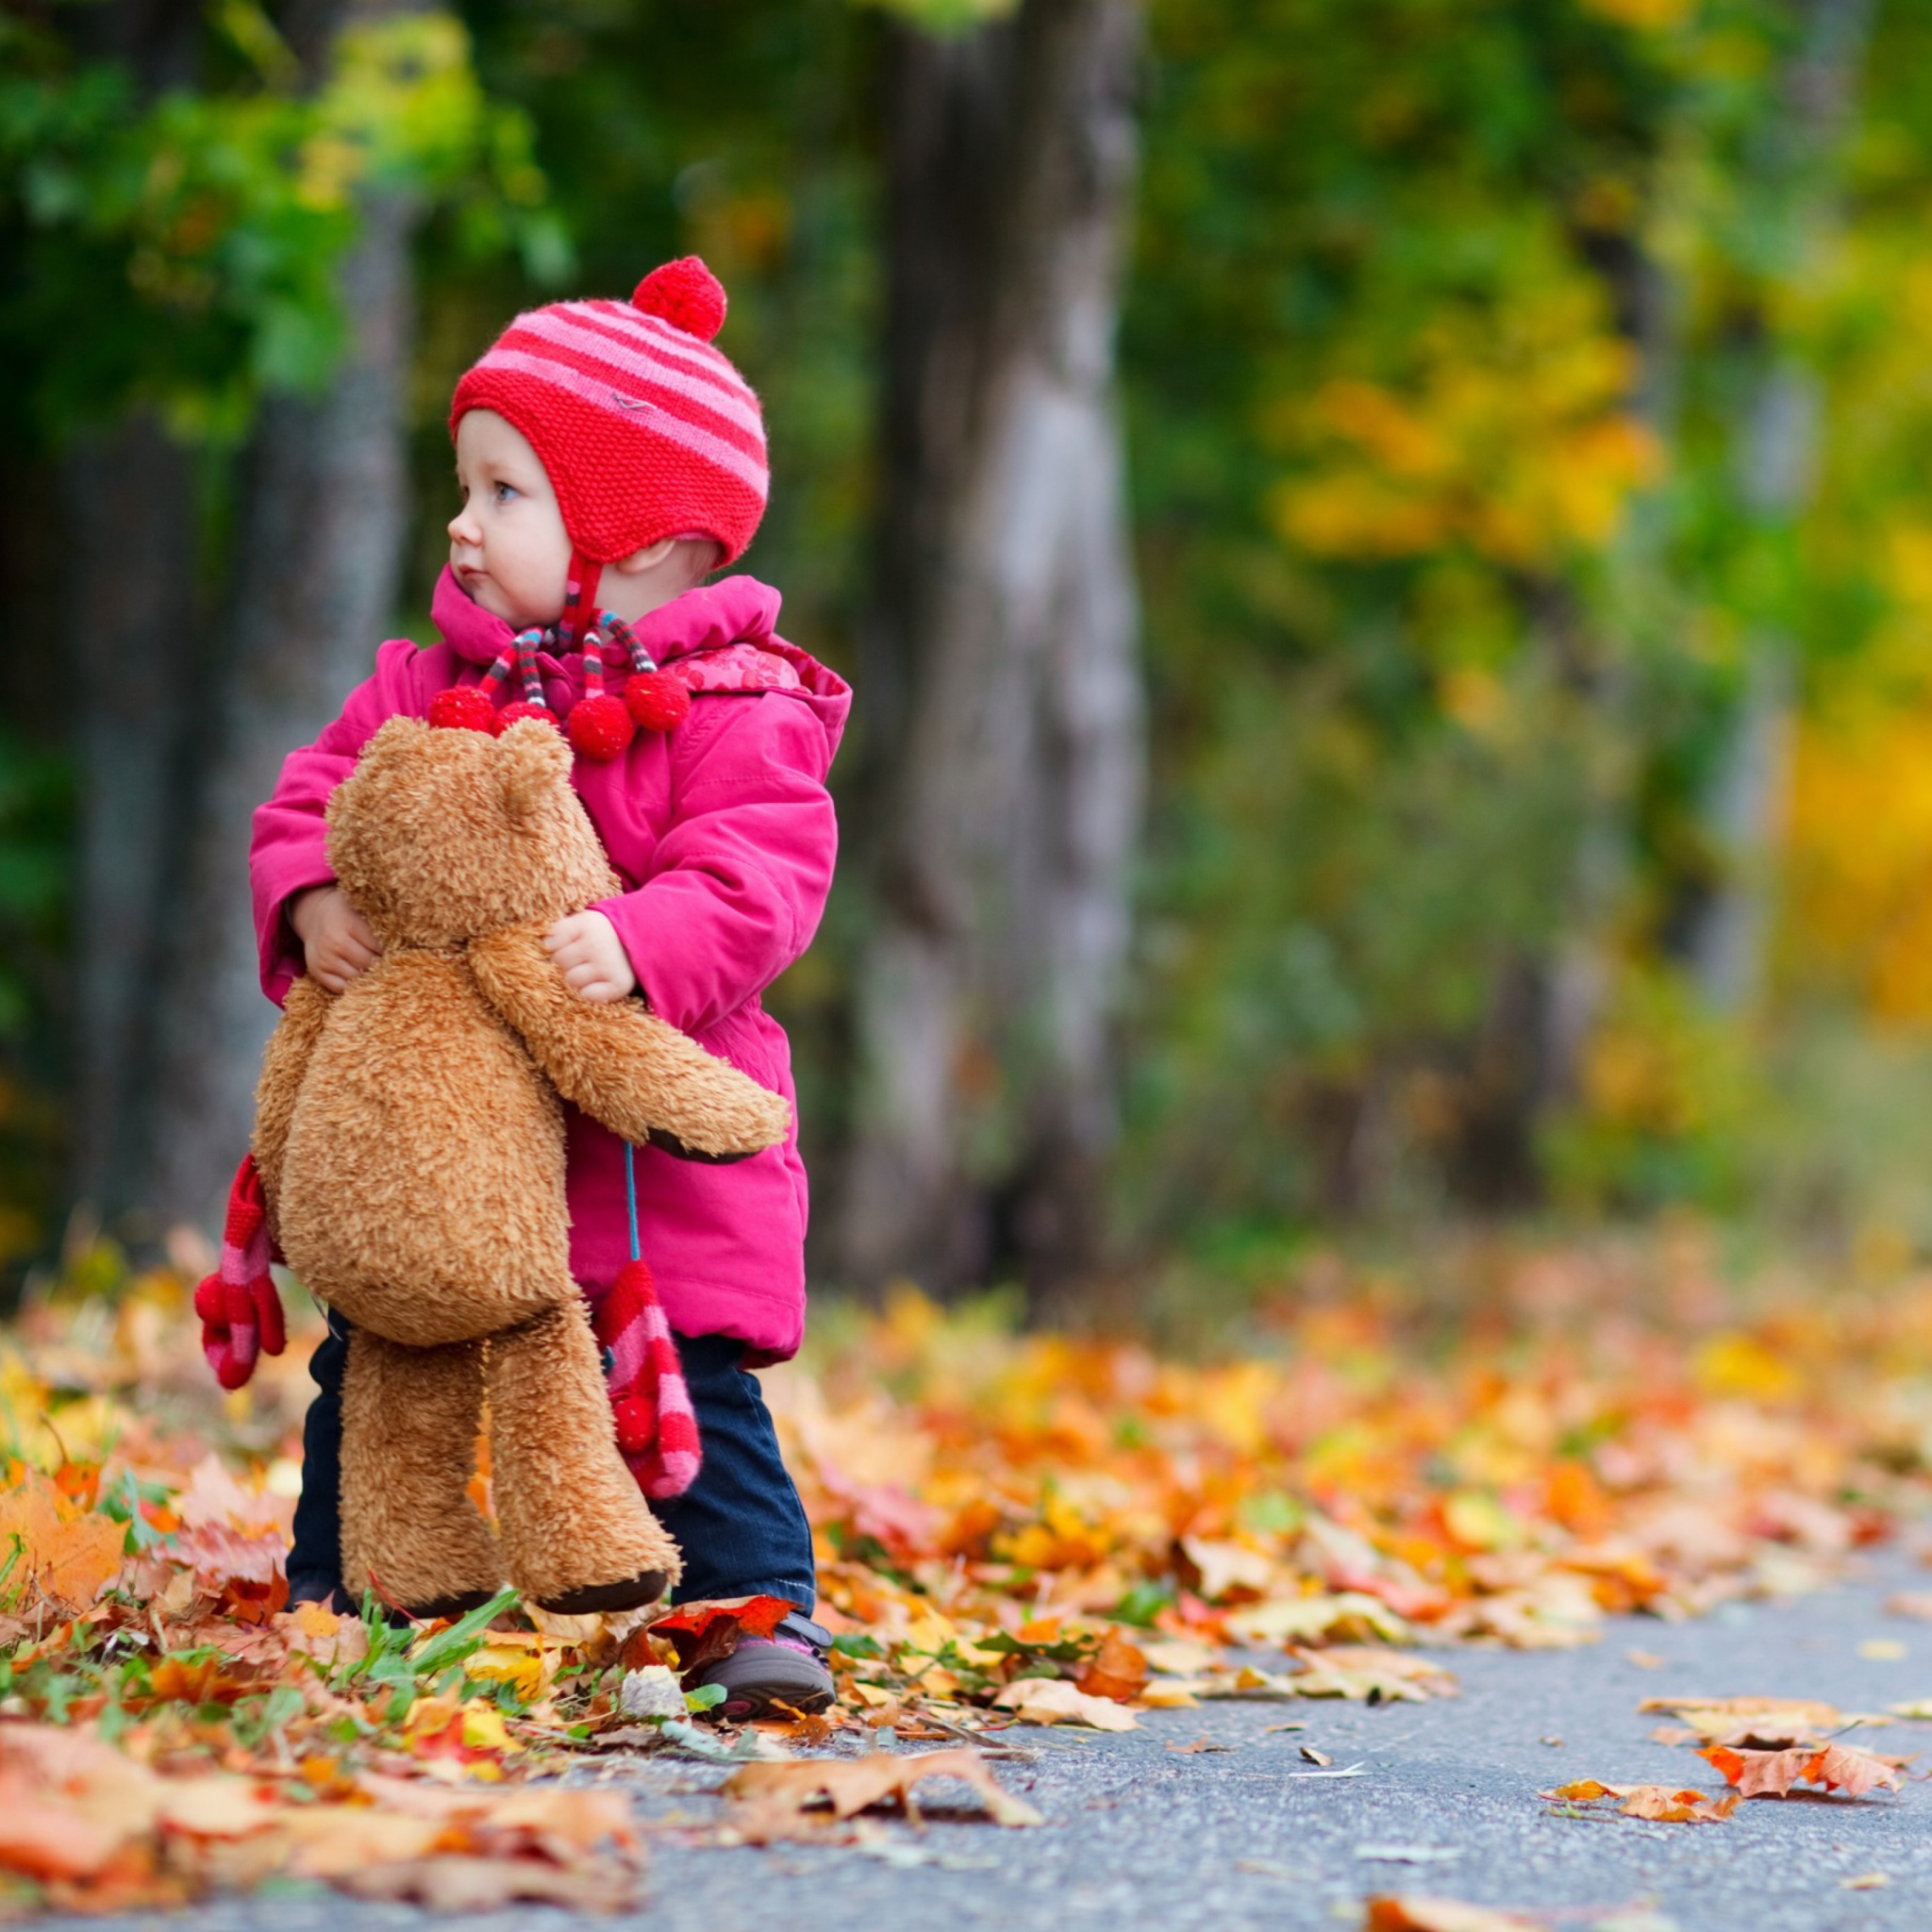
(410, 1143)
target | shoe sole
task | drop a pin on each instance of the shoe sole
(743, 1709)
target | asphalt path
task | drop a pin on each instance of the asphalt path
(1141, 1832)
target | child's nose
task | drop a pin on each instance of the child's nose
(462, 528)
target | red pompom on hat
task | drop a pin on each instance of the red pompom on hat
(645, 429)
(686, 294)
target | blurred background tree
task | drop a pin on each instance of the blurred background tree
(1465, 756)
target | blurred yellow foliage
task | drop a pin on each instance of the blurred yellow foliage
(1738, 1363)
(1649, 16)
(1657, 1064)
(1860, 854)
(1512, 437)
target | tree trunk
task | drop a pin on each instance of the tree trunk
(128, 506)
(1003, 684)
(131, 535)
(319, 545)
(1648, 300)
(1777, 446)
(182, 730)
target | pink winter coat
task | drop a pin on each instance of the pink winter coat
(723, 834)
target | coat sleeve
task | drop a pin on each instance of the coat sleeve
(738, 881)
(289, 851)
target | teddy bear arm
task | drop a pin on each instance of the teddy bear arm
(291, 1047)
(620, 1063)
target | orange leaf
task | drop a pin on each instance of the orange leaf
(1118, 1670)
(204, 1681)
(69, 1805)
(70, 1553)
(43, 1840)
(1666, 1806)
(251, 1602)
(80, 1482)
(1772, 1773)
(1409, 1913)
(773, 1798)
(1659, 1803)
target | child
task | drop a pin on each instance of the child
(610, 458)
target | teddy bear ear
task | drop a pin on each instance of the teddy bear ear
(396, 738)
(532, 765)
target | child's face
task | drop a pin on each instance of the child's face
(508, 545)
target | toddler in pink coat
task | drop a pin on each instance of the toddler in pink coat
(610, 458)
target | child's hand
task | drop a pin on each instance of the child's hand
(591, 957)
(337, 944)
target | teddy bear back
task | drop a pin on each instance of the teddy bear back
(442, 837)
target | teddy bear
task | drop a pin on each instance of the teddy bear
(409, 1139)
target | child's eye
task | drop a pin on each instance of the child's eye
(504, 492)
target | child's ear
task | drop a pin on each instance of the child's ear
(649, 558)
(532, 764)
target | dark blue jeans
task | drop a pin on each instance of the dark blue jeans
(741, 1525)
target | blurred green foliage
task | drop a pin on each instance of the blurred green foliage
(183, 252)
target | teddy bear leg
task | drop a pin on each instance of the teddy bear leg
(409, 1529)
(576, 1527)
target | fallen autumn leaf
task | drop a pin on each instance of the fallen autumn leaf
(1661, 1804)
(1415, 1914)
(1835, 1767)
(1053, 1700)
(774, 1801)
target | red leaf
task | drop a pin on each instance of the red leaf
(702, 1633)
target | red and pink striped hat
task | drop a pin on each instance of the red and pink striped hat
(644, 430)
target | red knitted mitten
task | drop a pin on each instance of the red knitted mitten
(656, 1427)
(241, 1312)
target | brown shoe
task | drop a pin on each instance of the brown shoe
(788, 1668)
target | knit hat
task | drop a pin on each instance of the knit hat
(644, 430)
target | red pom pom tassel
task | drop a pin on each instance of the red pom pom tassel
(686, 294)
(600, 728)
(462, 707)
(658, 701)
(512, 714)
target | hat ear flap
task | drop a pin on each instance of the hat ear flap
(533, 766)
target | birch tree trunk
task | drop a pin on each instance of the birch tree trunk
(318, 547)
(1003, 689)
(1777, 448)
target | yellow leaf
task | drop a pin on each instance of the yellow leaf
(516, 1659)
(1053, 1700)
(485, 1730)
(1739, 1364)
